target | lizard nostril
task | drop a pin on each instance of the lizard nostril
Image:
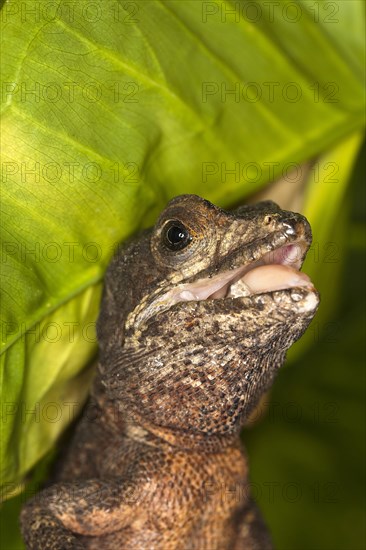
(267, 220)
(289, 229)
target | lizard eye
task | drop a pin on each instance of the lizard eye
(176, 236)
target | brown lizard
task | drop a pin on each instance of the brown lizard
(196, 319)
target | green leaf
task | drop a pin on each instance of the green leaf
(108, 110)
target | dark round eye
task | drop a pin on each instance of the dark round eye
(176, 236)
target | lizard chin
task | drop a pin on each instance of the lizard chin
(275, 270)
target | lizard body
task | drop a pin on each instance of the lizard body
(196, 319)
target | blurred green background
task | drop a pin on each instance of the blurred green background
(308, 454)
(146, 100)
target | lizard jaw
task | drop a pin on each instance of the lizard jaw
(275, 270)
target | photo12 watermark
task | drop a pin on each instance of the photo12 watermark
(270, 11)
(269, 91)
(33, 11)
(51, 332)
(36, 172)
(69, 92)
(272, 492)
(253, 171)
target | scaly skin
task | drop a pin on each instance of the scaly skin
(156, 462)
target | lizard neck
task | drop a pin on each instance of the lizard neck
(139, 429)
(157, 436)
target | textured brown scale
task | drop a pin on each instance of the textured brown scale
(156, 462)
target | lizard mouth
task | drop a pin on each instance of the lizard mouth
(275, 270)
(263, 268)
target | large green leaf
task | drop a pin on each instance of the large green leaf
(110, 108)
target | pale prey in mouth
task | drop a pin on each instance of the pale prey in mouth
(275, 270)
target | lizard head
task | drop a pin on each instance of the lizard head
(199, 311)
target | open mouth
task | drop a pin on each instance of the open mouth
(275, 270)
